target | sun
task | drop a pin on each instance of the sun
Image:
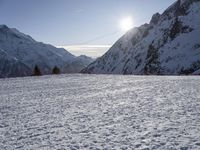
(126, 23)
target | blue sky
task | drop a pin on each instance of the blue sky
(76, 23)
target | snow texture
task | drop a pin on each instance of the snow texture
(168, 45)
(100, 112)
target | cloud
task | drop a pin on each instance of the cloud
(89, 50)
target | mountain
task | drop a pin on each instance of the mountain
(78, 64)
(19, 54)
(168, 45)
(11, 67)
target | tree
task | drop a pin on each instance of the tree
(56, 70)
(37, 71)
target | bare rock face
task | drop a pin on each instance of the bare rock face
(155, 18)
(168, 45)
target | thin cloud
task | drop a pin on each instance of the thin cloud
(89, 50)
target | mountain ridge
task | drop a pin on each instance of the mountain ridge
(168, 45)
(20, 53)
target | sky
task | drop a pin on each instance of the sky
(87, 27)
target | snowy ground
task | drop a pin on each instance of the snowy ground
(100, 112)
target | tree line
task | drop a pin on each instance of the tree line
(37, 71)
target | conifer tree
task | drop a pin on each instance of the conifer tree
(37, 71)
(56, 70)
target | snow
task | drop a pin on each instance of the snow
(25, 51)
(30, 53)
(183, 1)
(175, 54)
(197, 72)
(100, 112)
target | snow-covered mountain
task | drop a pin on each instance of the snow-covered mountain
(19, 54)
(78, 64)
(168, 45)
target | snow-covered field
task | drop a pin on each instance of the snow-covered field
(100, 112)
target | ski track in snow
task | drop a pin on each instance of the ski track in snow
(100, 112)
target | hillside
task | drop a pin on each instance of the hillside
(168, 45)
(20, 53)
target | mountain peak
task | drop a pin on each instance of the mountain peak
(3, 26)
(155, 18)
(179, 8)
(14, 33)
(168, 45)
(20, 53)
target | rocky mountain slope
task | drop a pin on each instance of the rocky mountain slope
(168, 45)
(19, 54)
(78, 63)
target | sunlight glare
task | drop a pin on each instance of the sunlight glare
(126, 23)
